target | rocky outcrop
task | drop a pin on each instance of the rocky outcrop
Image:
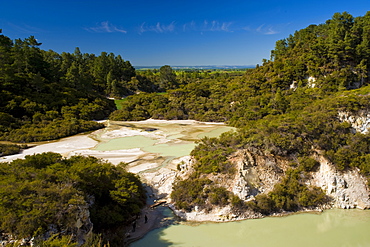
(84, 226)
(311, 81)
(360, 121)
(257, 173)
(347, 189)
(81, 231)
(161, 179)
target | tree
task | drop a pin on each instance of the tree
(167, 78)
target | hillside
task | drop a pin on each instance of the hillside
(46, 95)
(302, 118)
(290, 109)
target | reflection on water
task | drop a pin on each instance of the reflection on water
(331, 228)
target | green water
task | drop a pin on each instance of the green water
(339, 228)
(216, 132)
(181, 138)
(176, 150)
(126, 143)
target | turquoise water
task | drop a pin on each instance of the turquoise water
(339, 228)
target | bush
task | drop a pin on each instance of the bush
(308, 164)
(47, 190)
(9, 149)
(189, 193)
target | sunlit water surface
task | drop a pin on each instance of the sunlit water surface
(339, 228)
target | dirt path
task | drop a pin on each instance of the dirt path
(154, 220)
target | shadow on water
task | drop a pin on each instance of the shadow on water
(156, 238)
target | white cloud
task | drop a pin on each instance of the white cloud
(190, 26)
(208, 26)
(106, 27)
(225, 26)
(267, 30)
(270, 31)
(158, 28)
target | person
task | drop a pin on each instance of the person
(134, 226)
(146, 219)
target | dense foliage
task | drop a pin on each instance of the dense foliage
(46, 95)
(322, 59)
(9, 149)
(45, 191)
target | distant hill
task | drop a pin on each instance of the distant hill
(200, 67)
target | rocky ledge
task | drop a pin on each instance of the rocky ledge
(258, 173)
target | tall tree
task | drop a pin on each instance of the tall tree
(167, 78)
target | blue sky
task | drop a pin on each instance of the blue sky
(173, 32)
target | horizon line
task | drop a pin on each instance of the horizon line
(189, 66)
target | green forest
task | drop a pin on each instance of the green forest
(287, 106)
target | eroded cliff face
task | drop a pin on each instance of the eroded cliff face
(347, 189)
(258, 173)
(255, 173)
(360, 121)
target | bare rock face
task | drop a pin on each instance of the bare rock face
(360, 121)
(257, 173)
(81, 231)
(83, 226)
(161, 180)
(347, 189)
